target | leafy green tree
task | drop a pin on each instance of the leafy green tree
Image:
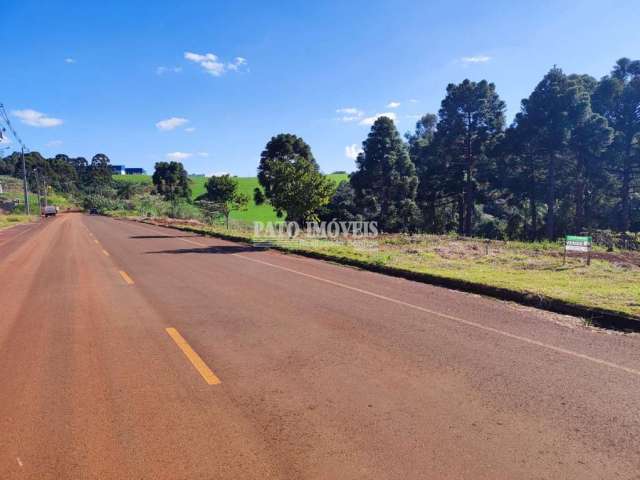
(471, 120)
(171, 181)
(258, 196)
(66, 178)
(284, 147)
(81, 166)
(100, 202)
(385, 182)
(99, 173)
(223, 196)
(128, 190)
(292, 180)
(7, 166)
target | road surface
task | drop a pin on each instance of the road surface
(129, 351)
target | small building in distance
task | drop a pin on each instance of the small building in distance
(117, 169)
(135, 171)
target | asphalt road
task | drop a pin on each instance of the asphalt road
(136, 352)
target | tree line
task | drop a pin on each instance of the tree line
(68, 175)
(568, 163)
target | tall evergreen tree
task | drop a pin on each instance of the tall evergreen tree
(552, 112)
(617, 98)
(521, 166)
(471, 120)
(385, 182)
(342, 206)
(589, 141)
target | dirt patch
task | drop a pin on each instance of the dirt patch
(622, 259)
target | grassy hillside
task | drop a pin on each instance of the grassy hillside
(246, 185)
(12, 188)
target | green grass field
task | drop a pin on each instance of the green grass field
(262, 213)
(536, 269)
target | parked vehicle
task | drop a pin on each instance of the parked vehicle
(50, 211)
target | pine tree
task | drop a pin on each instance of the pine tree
(617, 98)
(556, 107)
(385, 182)
(471, 121)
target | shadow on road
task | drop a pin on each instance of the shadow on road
(213, 249)
(161, 236)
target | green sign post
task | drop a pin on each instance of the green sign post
(574, 243)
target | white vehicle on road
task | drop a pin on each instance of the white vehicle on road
(49, 211)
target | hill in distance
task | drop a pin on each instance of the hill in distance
(246, 185)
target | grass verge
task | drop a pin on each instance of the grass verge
(605, 293)
(7, 221)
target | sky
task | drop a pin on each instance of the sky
(210, 82)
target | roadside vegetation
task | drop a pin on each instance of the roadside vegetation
(11, 220)
(611, 282)
(569, 164)
(263, 212)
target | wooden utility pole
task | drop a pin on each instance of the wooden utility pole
(35, 170)
(24, 184)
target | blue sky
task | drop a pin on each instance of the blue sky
(210, 82)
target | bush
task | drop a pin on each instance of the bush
(100, 203)
(490, 227)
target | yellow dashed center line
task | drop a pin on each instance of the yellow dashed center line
(126, 277)
(193, 357)
(105, 252)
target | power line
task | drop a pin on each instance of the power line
(14, 134)
(23, 147)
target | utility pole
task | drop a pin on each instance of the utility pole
(35, 170)
(46, 189)
(24, 184)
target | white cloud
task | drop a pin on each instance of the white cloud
(53, 143)
(413, 100)
(393, 104)
(171, 123)
(178, 155)
(237, 63)
(371, 120)
(69, 60)
(202, 154)
(476, 59)
(162, 70)
(190, 129)
(36, 119)
(213, 65)
(4, 140)
(208, 61)
(352, 151)
(349, 114)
